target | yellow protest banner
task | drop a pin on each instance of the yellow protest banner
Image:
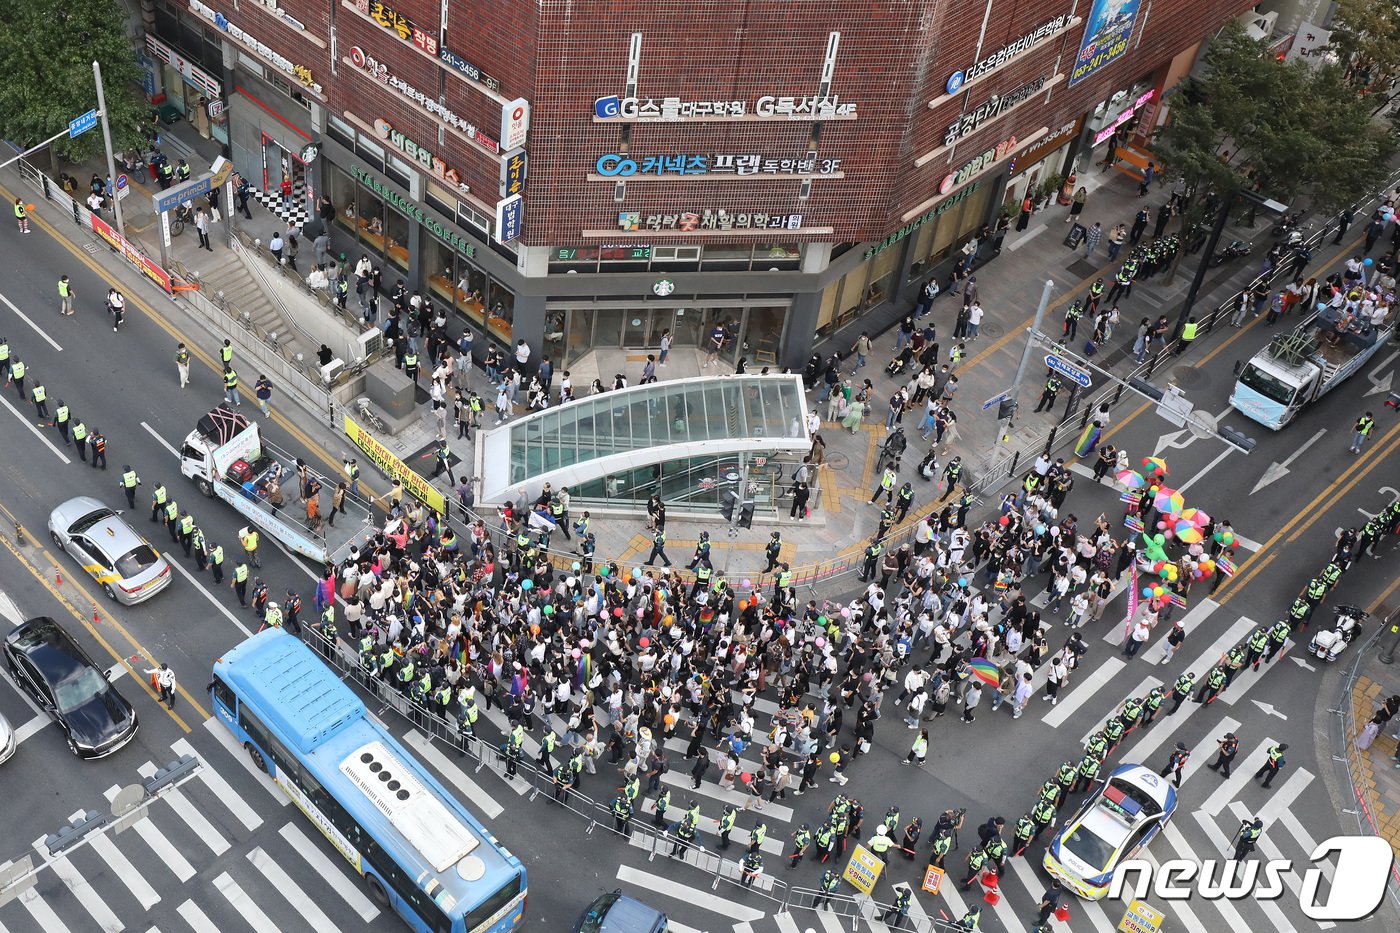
(863, 870)
(1141, 917)
(413, 484)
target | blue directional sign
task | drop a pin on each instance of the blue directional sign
(995, 400)
(79, 125)
(1069, 370)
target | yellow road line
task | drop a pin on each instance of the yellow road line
(1312, 511)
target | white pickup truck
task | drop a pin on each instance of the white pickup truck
(228, 459)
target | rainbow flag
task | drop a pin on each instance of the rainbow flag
(1133, 523)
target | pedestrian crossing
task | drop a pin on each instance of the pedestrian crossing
(189, 864)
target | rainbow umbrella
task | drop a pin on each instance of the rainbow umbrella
(985, 671)
(1169, 500)
(1131, 479)
(1187, 532)
(1197, 517)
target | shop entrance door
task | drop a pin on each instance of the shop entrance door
(643, 327)
(280, 164)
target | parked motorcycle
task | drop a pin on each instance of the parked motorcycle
(1329, 643)
(1234, 250)
(1286, 224)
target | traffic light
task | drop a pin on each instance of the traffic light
(173, 773)
(726, 506)
(746, 515)
(74, 832)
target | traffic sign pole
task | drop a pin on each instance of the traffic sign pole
(107, 141)
(1004, 432)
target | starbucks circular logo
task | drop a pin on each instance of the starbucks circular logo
(663, 287)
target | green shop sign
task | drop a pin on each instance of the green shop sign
(405, 206)
(913, 225)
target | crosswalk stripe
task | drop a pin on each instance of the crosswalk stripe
(156, 841)
(92, 902)
(744, 927)
(1201, 756)
(1068, 705)
(289, 889)
(199, 922)
(454, 775)
(675, 927)
(44, 915)
(1191, 621)
(829, 922)
(1162, 731)
(1281, 801)
(1240, 775)
(1182, 910)
(693, 896)
(870, 914)
(1226, 848)
(239, 900)
(193, 818)
(678, 744)
(1004, 911)
(1271, 849)
(134, 879)
(1304, 839)
(240, 754)
(683, 781)
(1094, 912)
(950, 893)
(785, 923)
(1141, 690)
(331, 872)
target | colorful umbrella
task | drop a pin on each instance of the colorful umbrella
(1155, 463)
(1188, 533)
(1169, 500)
(1131, 479)
(1196, 517)
(985, 671)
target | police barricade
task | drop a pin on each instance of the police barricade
(855, 908)
(488, 755)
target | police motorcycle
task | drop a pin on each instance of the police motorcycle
(1329, 643)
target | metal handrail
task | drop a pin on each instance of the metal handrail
(440, 729)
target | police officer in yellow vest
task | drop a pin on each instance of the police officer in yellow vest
(1188, 334)
(240, 579)
(80, 436)
(60, 422)
(1362, 430)
(40, 396)
(216, 563)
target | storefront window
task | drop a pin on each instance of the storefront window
(730, 258)
(342, 192)
(501, 313)
(920, 252)
(776, 256)
(453, 280)
(881, 277)
(851, 288)
(827, 313)
(396, 238)
(765, 335)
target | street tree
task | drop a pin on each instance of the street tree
(1366, 40)
(47, 48)
(1287, 130)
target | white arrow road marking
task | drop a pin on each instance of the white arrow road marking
(1278, 471)
(1268, 708)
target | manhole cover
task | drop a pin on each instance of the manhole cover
(1188, 377)
(992, 330)
(836, 461)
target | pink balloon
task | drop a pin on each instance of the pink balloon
(577, 654)
(1169, 534)
(1161, 525)
(821, 642)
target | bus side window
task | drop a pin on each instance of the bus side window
(225, 695)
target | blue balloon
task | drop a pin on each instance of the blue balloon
(1368, 261)
(962, 581)
(527, 584)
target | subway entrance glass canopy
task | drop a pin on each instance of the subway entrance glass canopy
(610, 442)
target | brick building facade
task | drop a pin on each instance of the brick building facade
(582, 174)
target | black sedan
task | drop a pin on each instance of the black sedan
(57, 673)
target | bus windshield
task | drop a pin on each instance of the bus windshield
(1271, 387)
(417, 846)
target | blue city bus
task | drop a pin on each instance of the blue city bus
(418, 849)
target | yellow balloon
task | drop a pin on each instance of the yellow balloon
(835, 758)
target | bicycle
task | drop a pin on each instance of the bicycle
(363, 405)
(179, 217)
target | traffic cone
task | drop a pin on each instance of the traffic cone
(1062, 913)
(57, 577)
(989, 880)
(992, 897)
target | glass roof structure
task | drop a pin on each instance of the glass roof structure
(640, 425)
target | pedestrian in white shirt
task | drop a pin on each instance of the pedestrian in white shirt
(1024, 689)
(1059, 676)
(164, 679)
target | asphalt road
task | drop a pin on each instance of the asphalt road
(264, 856)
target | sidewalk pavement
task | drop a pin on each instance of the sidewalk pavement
(843, 521)
(1378, 765)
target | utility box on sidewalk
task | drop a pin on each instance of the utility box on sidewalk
(388, 388)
